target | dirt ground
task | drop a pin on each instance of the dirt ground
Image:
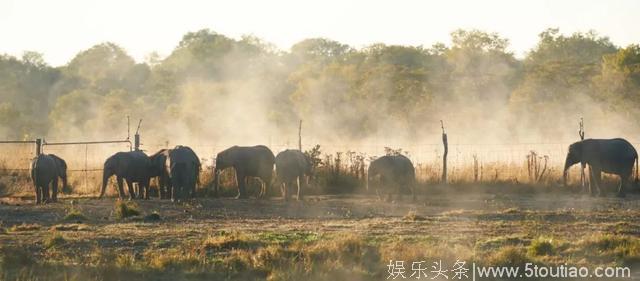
(471, 215)
(464, 218)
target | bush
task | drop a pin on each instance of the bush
(125, 210)
(541, 247)
(55, 240)
(508, 256)
(74, 215)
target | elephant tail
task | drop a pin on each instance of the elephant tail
(34, 171)
(637, 168)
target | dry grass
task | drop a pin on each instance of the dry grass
(25, 227)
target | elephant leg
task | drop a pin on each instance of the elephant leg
(132, 193)
(290, 187)
(54, 190)
(174, 193)
(283, 190)
(263, 188)
(267, 184)
(596, 175)
(193, 185)
(45, 193)
(120, 181)
(161, 191)
(241, 179)
(38, 194)
(145, 186)
(137, 190)
(300, 183)
(624, 181)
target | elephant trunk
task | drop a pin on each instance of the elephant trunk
(106, 174)
(64, 181)
(366, 182)
(565, 172)
(216, 181)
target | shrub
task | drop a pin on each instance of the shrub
(541, 247)
(508, 256)
(74, 215)
(54, 240)
(125, 210)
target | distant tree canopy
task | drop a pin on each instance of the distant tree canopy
(210, 80)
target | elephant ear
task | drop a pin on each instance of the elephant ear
(62, 165)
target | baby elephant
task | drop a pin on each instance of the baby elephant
(291, 168)
(393, 172)
(45, 170)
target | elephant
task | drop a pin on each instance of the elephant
(183, 168)
(248, 161)
(614, 156)
(132, 167)
(291, 168)
(159, 170)
(45, 170)
(393, 170)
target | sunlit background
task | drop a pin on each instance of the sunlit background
(59, 29)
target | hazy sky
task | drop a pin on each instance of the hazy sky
(62, 28)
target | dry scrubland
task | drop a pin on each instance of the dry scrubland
(492, 213)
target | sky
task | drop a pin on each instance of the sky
(60, 29)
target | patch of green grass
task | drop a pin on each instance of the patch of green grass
(124, 209)
(541, 247)
(74, 215)
(55, 240)
(508, 256)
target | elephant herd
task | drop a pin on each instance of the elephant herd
(177, 170)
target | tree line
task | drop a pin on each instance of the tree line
(211, 85)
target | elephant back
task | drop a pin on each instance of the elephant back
(291, 163)
(43, 169)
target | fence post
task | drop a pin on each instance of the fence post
(446, 152)
(300, 136)
(583, 177)
(136, 142)
(38, 147)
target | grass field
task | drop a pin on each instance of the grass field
(351, 237)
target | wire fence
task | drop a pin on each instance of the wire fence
(480, 161)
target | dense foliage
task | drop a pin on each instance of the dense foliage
(212, 86)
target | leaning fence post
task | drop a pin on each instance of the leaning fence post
(583, 178)
(446, 152)
(38, 146)
(300, 136)
(136, 138)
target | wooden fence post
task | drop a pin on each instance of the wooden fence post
(38, 147)
(300, 136)
(446, 152)
(583, 178)
(136, 137)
